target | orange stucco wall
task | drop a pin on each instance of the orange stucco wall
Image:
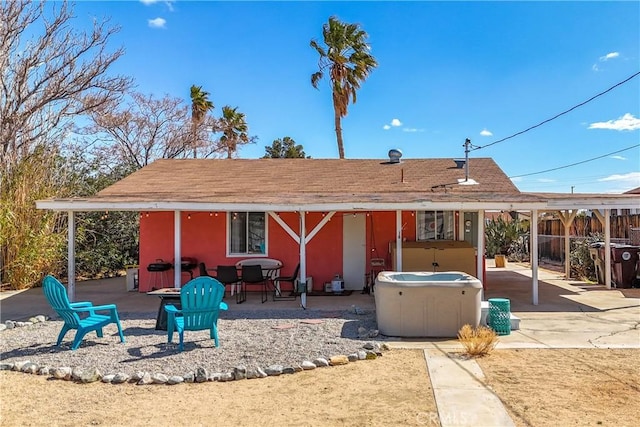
(323, 252)
(204, 237)
(381, 230)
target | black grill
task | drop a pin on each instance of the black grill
(159, 265)
(188, 263)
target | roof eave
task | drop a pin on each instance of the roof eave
(593, 204)
(84, 205)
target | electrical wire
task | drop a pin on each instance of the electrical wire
(577, 163)
(557, 115)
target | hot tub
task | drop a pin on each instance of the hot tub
(424, 304)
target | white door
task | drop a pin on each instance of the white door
(354, 250)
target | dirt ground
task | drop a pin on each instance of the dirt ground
(538, 387)
(391, 390)
(567, 387)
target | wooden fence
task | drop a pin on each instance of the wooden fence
(624, 229)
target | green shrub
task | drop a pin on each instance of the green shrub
(582, 265)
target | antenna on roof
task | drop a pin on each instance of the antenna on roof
(467, 143)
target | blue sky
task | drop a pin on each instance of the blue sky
(447, 71)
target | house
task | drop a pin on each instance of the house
(331, 215)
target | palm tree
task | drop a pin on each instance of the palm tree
(348, 61)
(233, 126)
(200, 106)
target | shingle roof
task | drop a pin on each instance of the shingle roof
(311, 181)
(325, 184)
(634, 191)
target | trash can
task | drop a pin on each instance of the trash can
(132, 278)
(499, 316)
(625, 264)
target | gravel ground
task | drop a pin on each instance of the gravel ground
(251, 338)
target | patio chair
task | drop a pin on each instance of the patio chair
(252, 274)
(202, 268)
(81, 316)
(201, 301)
(277, 291)
(228, 275)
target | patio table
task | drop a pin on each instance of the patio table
(167, 296)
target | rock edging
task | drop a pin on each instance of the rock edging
(369, 351)
(10, 324)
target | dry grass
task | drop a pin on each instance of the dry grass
(477, 341)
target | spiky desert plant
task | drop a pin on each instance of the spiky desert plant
(477, 341)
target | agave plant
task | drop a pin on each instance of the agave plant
(507, 237)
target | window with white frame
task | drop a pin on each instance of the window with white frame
(435, 225)
(247, 232)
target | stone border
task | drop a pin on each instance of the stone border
(10, 324)
(369, 351)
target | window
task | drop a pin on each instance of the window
(247, 233)
(435, 225)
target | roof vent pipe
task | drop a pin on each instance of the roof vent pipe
(394, 155)
(467, 143)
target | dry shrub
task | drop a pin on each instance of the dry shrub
(477, 341)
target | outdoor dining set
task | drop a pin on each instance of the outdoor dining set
(263, 272)
(193, 306)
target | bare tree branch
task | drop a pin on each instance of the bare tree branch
(145, 128)
(51, 76)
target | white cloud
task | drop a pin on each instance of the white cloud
(412, 130)
(605, 58)
(168, 3)
(545, 180)
(626, 122)
(609, 56)
(631, 178)
(157, 23)
(394, 123)
(618, 157)
(517, 179)
(485, 132)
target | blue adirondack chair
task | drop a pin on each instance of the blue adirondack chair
(201, 301)
(81, 316)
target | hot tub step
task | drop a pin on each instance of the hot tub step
(515, 322)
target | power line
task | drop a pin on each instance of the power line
(559, 114)
(577, 163)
